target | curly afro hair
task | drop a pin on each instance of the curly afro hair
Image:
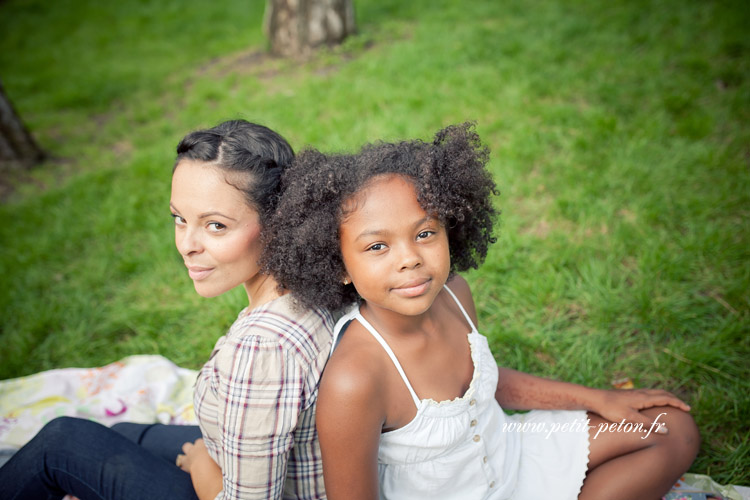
(302, 237)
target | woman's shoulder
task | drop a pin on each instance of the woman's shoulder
(285, 322)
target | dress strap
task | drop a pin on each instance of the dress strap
(468, 319)
(388, 350)
(342, 324)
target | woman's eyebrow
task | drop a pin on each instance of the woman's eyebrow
(211, 214)
(207, 214)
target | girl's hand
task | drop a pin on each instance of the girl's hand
(616, 405)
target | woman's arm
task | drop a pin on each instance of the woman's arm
(349, 422)
(204, 472)
(260, 393)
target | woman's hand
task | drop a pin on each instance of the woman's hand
(619, 405)
(204, 472)
(192, 453)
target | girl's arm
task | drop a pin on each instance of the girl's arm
(521, 391)
(349, 423)
(204, 472)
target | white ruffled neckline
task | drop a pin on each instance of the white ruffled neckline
(471, 389)
(431, 403)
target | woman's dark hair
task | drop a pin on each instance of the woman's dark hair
(254, 155)
(450, 179)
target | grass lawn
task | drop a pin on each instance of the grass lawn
(620, 143)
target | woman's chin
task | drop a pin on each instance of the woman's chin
(207, 291)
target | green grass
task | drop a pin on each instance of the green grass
(619, 133)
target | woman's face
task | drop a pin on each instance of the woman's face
(216, 231)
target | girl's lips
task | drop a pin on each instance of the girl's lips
(413, 290)
(199, 273)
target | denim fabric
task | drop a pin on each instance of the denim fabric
(164, 441)
(91, 461)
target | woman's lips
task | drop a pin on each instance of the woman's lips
(199, 273)
(413, 289)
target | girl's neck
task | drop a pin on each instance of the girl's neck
(396, 325)
(261, 289)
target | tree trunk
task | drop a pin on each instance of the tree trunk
(17, 147)
(295, 27)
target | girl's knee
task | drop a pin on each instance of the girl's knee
(687, 433)
(683, 438)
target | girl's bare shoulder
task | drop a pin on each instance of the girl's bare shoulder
(355, 368)
(460, 287)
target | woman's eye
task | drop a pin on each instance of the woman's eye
(179, 221)
(215, 227)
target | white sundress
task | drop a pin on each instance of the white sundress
(468, 448)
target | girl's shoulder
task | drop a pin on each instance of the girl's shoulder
(354, 370)
(460, 287)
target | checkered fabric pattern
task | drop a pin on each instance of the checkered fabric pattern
(255, 401)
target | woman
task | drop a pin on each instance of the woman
(254, 398)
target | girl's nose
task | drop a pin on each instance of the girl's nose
(187, 241)
(410, 258)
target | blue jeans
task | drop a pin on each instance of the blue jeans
(91, 461)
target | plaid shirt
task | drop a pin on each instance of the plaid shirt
(255, 402)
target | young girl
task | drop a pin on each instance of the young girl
(254, 398)
(410, 401)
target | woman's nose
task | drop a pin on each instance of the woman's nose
(187, 241)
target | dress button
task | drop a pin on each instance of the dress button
(492, 484)
(473, 402)
(474, 422)
(476, 438)
(484, 459)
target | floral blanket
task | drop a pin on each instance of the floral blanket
(700, 487)
(142, 389)
(149, 389)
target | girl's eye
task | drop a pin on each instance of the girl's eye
(376, 247)
(179, 221)
(215, 227)
(425, 234)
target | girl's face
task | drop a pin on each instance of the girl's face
(395, 253)
(216, 232)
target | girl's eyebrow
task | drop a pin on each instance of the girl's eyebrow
(378, 232)
(206, 214)
(372, 232)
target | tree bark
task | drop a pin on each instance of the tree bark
(17, 147)
(296, 27)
